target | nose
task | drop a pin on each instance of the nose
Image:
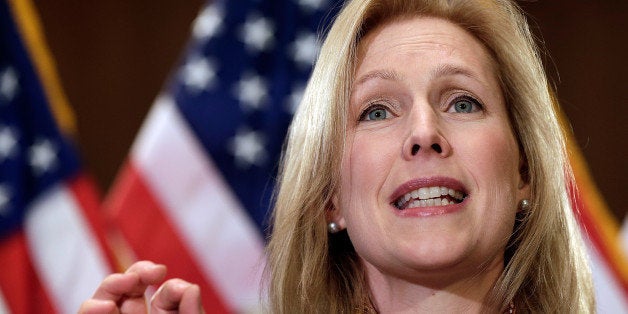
(425, 136)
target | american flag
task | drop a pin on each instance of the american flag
(195, 192)
(240, 83)
(51, 242)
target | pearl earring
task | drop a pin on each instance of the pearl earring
(524, 204)
(333, 227)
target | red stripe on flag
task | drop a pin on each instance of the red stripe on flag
(21, 287)
(136, 212)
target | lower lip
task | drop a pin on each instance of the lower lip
(429, 210)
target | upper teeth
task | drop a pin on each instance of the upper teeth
(426, 193)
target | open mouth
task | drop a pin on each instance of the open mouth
(429, 196)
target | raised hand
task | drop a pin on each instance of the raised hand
(124, 293)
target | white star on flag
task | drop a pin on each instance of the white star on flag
(199, 74)
(257, 33)
(251, 91)
(305, 49)
(5, 198)
(42, 156)
(312, 5)
(294, 99)
(248, 148)
(208, 23)
(8, 142)
(8, 84)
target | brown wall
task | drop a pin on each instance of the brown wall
(114, 57)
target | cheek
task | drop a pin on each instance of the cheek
(493, 155)
(506, 162)
(366, 164)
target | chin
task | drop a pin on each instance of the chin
(424, 253)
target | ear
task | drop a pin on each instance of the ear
(334, 214)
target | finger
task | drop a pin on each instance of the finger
(175, 293)
(93, 306)
(116, 286)
(149, 272)
(134, 305)
(191, 301)
(132, 283)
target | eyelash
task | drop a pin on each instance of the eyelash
(377, 105)
(469, 98)
(370, 108)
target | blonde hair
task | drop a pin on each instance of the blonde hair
(311, 271)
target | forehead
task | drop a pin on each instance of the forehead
(418, 36)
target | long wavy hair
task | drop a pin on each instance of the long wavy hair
(312, 271)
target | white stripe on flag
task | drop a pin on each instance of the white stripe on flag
(3, 305)
(65, 253)
(223, 238)
(608, 293)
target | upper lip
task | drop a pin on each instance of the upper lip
(418, 183)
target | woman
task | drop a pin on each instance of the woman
(424, 171)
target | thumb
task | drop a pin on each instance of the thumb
(177, 295)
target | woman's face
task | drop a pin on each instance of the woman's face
(430, 176)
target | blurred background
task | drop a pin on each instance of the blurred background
(206, 218)
(115, 56)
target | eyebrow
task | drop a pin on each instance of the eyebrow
(441, 71)
(451, 70)
(388, 75)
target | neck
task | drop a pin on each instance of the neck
(467, 294)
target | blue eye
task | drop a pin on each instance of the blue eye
(466, 104)
(374, 113)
